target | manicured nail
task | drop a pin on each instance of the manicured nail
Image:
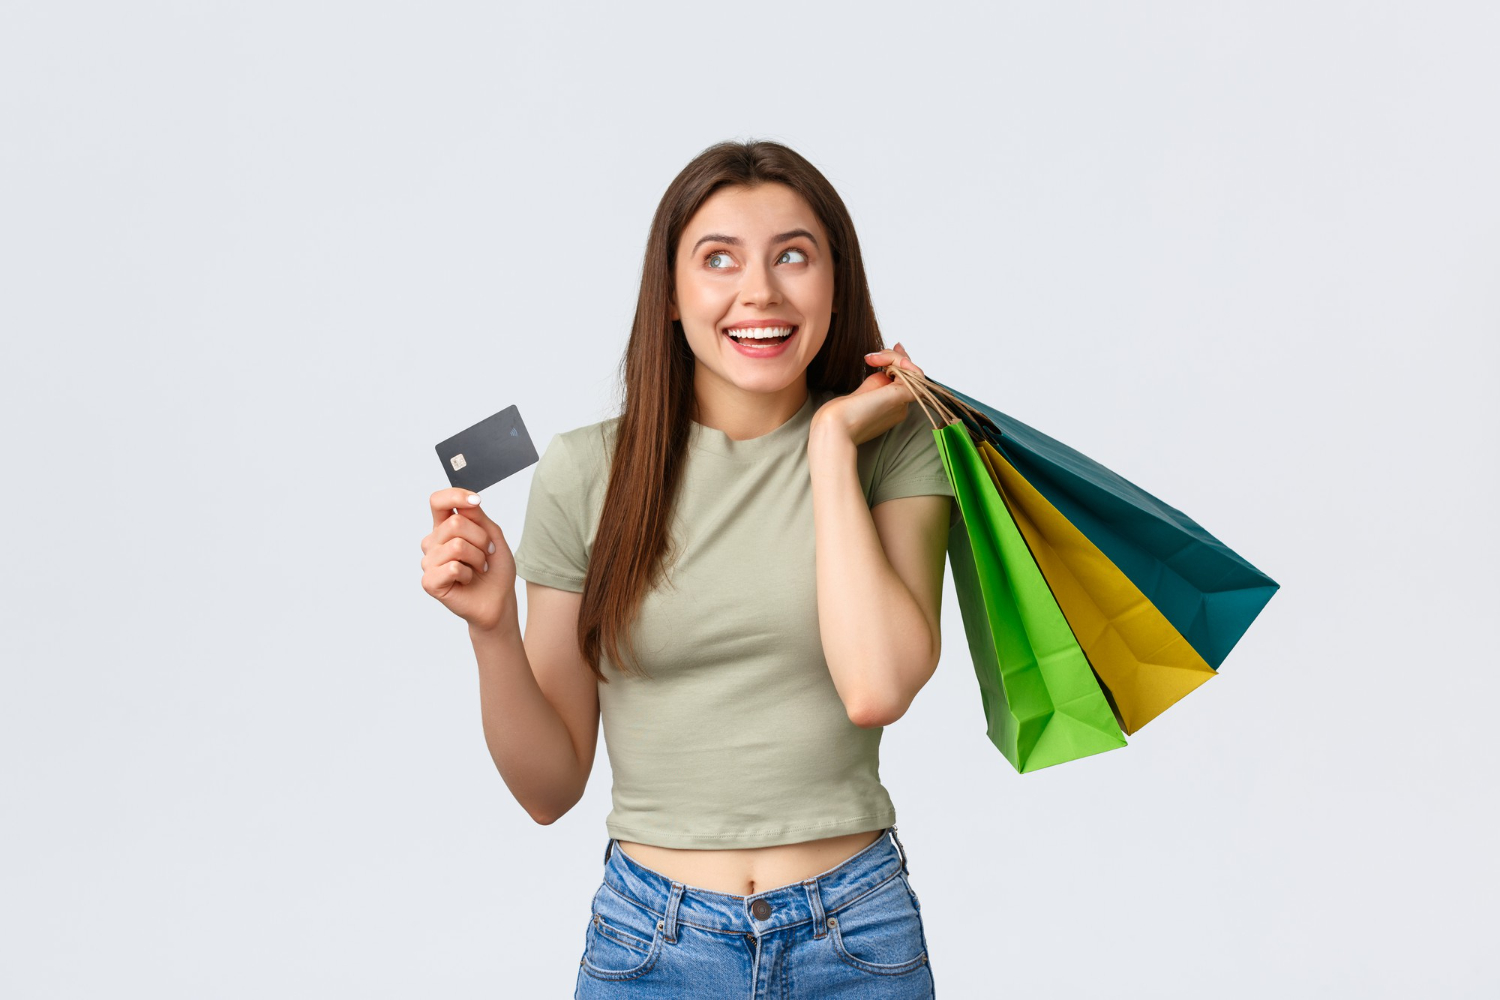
(486, 565)
(492, 548)
(473, 498)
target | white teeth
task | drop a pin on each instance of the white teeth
(762, 332)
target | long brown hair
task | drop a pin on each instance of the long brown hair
(656, 381)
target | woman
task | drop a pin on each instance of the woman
(742, 573)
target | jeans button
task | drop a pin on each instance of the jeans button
(761, 909)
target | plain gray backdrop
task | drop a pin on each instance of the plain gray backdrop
(257, 259)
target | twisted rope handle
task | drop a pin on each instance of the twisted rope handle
(926, 392)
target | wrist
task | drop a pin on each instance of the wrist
(506, 628)
(827, 441)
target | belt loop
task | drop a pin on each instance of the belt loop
(815, 900)
(900, 849)
(673, 899)
(609, 849)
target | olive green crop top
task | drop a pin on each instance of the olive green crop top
(738, 738)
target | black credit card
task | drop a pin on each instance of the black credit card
(482, 455)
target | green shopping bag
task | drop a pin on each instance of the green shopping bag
(1042, 702)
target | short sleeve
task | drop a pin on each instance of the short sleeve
(909, 463)
(552, 549)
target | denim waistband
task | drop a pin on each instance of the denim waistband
(785, 906)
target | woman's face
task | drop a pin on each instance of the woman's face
(753, 257)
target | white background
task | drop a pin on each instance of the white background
(257, 259)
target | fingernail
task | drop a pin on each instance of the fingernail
(473, 498)
(873, 354)
(486, 565)
(492, 548)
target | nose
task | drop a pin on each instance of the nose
(759, 287)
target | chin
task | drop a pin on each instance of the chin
(765, 384)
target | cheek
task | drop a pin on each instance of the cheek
(813, 345)
(822, 299)
(700, 306)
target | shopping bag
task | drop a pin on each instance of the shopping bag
(1141, 660)
(1153, 601)
(1042, 702)
(1209, 592)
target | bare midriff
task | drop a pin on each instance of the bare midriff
(747, 870)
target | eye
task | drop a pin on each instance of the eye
(796, 251)
(709, 260)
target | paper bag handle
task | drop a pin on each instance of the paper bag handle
(928, 393)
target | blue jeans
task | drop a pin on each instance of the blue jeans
(853, 931)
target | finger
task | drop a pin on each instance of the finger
(906, 361)
(457, 525)
(475, 515)
(445, 502)
(889, 358)
(456, 550)
(440, 579)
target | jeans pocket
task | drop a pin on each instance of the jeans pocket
(881, 932)
(624, 939)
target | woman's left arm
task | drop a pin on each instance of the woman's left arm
(880, 571)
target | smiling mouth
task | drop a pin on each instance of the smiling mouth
(761, 336)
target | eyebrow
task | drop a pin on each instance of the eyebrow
(735, 241)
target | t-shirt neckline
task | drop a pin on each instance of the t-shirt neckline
(714, 440)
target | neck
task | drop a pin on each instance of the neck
(743, 414)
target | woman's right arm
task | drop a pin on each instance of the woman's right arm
(539, 701)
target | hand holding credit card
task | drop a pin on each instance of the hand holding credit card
(480, 456)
